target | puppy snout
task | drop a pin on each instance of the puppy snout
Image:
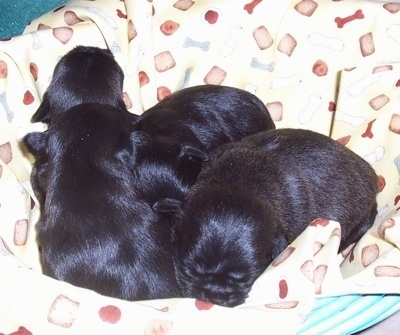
(226, 300)
(222, 295)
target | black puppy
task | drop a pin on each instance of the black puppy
(194, 120)
(94, 232)
(84, 74)
(254, 197)
(206, 116)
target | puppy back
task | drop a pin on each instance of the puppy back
(207, 116)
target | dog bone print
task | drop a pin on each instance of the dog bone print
(249, 7)
(256, 64)
(314, 102)
(293, 80)
(342, 21)
(108, 19)
(359, 87)
(36, 42)
(3, 102)
(354, 121)
(393, 31)
(333, 43)
(227, 48)
(204, 46)
(120, 14)
(21, 331)
(376, 155)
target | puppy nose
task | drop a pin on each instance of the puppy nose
(223, 299)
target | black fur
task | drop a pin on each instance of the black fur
(207, 116)
(256, 196)
(94, 231)
(84, 74)
(164, 168)
(184, 127)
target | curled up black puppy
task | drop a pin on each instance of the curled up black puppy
(256, 196)
(207, 116)
(84, 74)
(94, 231)
(185, 127)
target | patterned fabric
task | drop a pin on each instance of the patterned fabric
(332, 67)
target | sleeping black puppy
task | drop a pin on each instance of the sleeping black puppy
(84, 74)
(195, 120)
(254, 197)
(206, 116)
(164, 168)
(94, 231)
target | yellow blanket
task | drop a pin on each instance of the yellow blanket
(332, 67)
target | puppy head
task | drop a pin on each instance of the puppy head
(85, 74)
(225, 242)
(163, 167)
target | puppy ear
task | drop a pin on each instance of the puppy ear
(36, 143)
(42, 114)
(194, 153)
(140, 138)
(168, 206)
